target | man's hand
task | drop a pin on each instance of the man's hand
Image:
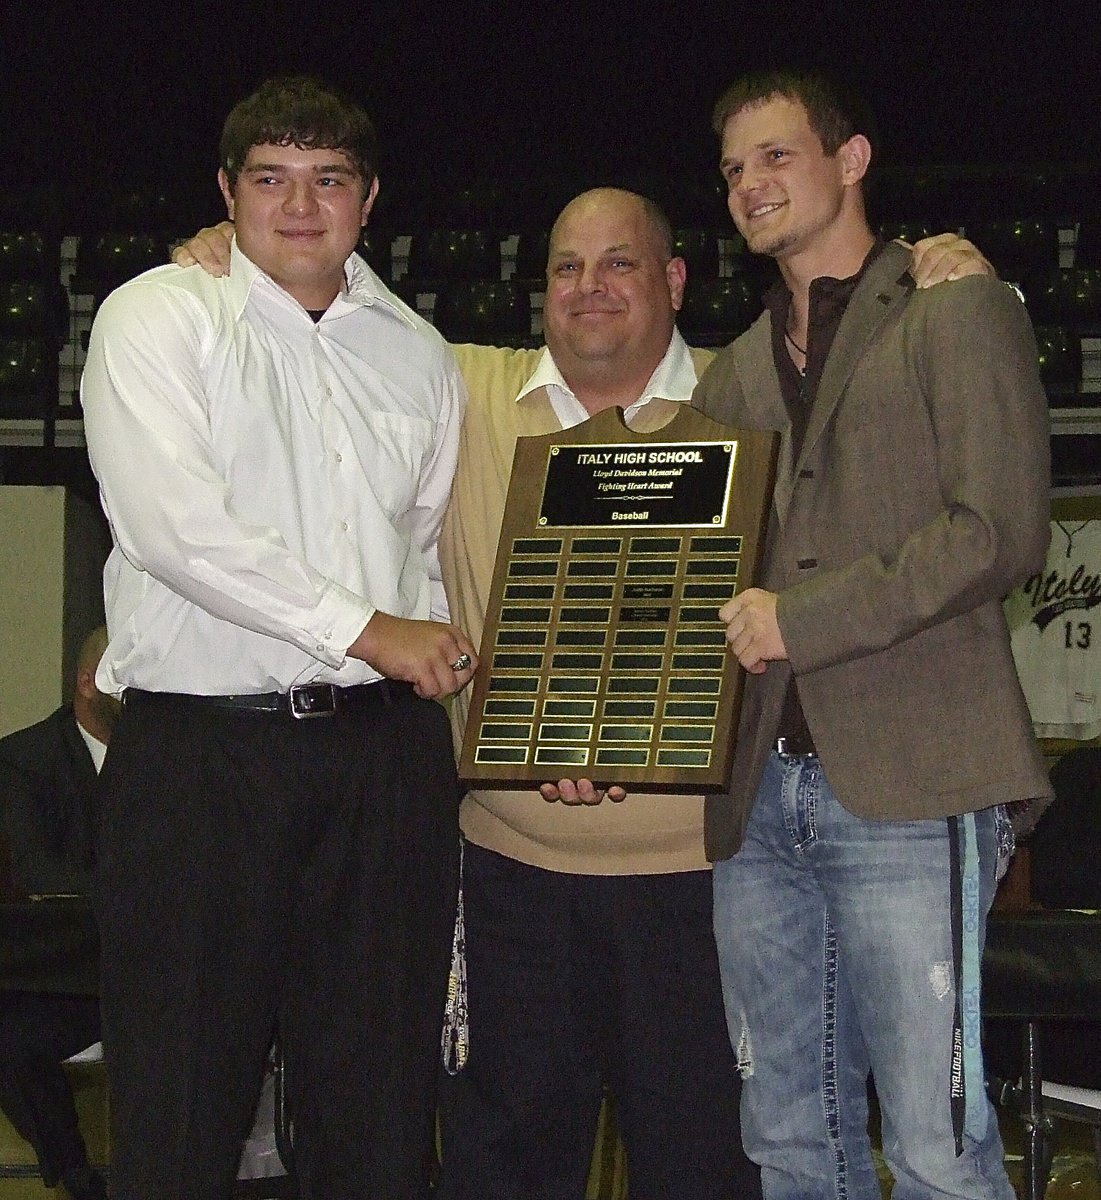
(945, 257)
(209, 248)
(419, 652)
(583, 791)
(751, 629)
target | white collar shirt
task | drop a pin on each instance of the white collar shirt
(271, 482)
(674, 378)
(96, 748)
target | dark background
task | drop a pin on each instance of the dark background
(104, 98)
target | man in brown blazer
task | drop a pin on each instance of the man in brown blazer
(883, 732)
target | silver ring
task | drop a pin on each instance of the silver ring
(461, 663)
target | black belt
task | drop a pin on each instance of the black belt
(795, 747)
(301, 702)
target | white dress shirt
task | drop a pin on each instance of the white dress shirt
(673, 379)
(270, 482)
(96, 748)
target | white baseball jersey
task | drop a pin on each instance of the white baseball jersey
(1055, 628)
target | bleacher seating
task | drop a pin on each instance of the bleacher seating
(1067, 296)
(701, 249)
(106, 260)
(1060, 353)
(440, 254)
(908, 231)
(28, 382)
(1087, 246)
(484, 310)
(531, 257)
(716, 310)
(1020, 249)
(376, 246)
(34, 324)
(434, 244)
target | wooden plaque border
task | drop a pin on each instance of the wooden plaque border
(745, 517)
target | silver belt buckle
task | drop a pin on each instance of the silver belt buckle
(785, 747)
(306, 700)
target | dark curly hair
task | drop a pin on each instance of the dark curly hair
(297, 110)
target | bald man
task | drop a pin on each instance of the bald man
(589, 951)
(590, 958)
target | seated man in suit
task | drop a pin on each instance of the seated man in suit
(48, 802)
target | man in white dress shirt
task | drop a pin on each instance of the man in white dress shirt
(278, 844)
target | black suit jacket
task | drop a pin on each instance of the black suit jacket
(48, 805)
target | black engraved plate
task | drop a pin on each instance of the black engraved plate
(649, 545)
(513, 683)
(570, 708)
(577, 662)
(641, 637)
(581, 637)
(537, 546)
(562, 756)
(568, 683)
(516, 708)
(589, 591)
(715, 545)
(560, 731)
(700, 637)
(526, 567)
(705, 710)
(591, 616)
(719, 592)
(643, 613)
(637, 662)
(530, 591)
(521, 637)
(648, 591)
(516, 662)
(616, 552)
(719, 568)
(585, 545)
(630, 708)
(512, 755)
(527, 615)
(618, 756)
(501, 731)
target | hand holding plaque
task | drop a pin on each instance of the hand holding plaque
(603, 655)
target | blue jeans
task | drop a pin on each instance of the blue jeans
(838, 959)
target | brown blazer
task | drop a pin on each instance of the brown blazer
(920, 497)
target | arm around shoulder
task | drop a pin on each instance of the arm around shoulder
(990, 414)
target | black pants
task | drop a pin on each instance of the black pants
(255, 870)
(38, 1030)
(577, 980)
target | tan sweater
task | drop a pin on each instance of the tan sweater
(645, 834)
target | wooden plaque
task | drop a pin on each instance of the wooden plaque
(603, 655)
